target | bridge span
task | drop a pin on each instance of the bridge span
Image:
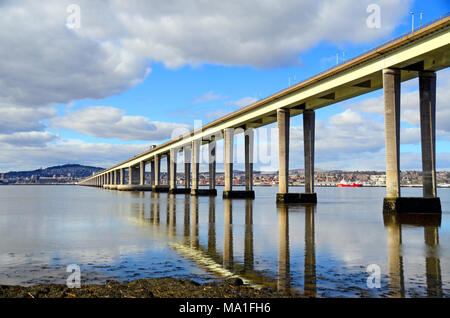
(416, 54)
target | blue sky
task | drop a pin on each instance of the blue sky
(129, 75)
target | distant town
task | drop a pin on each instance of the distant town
(72, 173)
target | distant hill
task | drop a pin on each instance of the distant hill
(74, 170)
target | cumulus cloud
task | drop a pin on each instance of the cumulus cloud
(29, 139)
(14, 157)
(111, 122)
(16, 119)
(48, 63)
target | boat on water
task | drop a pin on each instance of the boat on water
(346, 184)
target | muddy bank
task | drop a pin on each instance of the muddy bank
(144, 288)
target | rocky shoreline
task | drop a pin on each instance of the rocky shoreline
(145, 288)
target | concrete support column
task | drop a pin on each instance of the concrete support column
(152, 172)
(157, 169)
(173, 168)
(114, 177)
(249, 138)
(228, 156)
(168, 168)
(308, 143)
(427, 92)
(391, 87)
(133, 175)
(195, 163)
(117, 173)
(122, 176)
(187, 167)
(142, 173)
(283, 120)
(107, 178)
(212, 164)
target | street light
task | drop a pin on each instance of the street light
(412, 21)
(421, 15)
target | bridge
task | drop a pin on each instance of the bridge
(420, 53)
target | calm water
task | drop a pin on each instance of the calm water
(319, 251)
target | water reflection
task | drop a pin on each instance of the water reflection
(154, 215)
(310, 284)
(283, 249)
(171, 216)
(430, 223)
(225, 263)
(284, 270)
(212, 226)
(228, 234)
(248, 245)
(194, 223)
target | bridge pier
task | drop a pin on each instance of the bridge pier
(152, 173)
(157, 187)
(283, 195)
(187, 168)
(212, 166)
(228, 192)
(393, 202)
(173, 189)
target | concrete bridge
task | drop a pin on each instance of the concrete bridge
(417, 54)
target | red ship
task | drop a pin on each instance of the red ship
(345, 184)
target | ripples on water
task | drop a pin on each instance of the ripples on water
(320, 250)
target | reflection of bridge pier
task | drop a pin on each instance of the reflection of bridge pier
(430, 223)
(187, 218)
(310, 253)
(228, 234)
(248, 244)
(194, 222)
(284, 262)
(171, 215)
(212, 225)
(395, 260)
(284, 275)
(155, 208)
(432, 262)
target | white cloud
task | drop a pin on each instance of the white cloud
(242, 102)
(16, 157)
(47, 63)
(15, 119)
(207, 97)
(29, 139)
(111, 122)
